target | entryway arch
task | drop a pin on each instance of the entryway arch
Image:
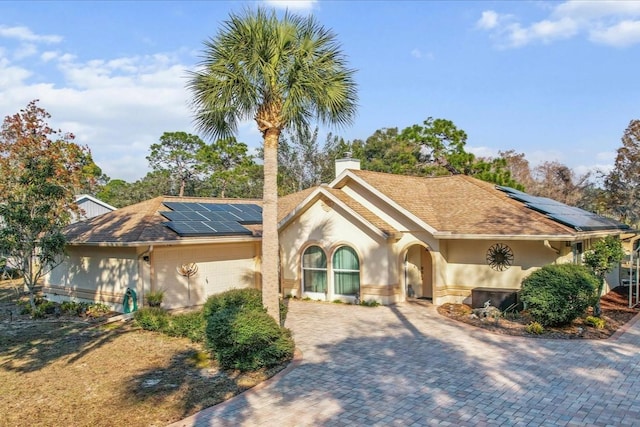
(417, 272)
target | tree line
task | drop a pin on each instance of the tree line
(184, 165)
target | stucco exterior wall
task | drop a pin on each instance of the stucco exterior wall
(94, 274)
(327, 225)
(221, 267)
(467, 267)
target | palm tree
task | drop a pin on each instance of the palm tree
(281, 73)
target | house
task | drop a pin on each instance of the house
(90, 207)
(135, 248)
(364, 236)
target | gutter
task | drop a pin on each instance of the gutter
(551, 237)
(164, 242)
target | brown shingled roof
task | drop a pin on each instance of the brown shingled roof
(461, 204)
(140, 222)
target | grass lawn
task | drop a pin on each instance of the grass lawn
(77, 373)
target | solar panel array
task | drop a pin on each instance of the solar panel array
(576, 218)
(211, 219)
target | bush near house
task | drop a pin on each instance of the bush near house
(186, 325)
(557, 294)
(241, 334)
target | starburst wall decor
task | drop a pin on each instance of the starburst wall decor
(499, 257)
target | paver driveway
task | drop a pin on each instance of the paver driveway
(405, 365)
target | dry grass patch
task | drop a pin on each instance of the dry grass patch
(77, 373)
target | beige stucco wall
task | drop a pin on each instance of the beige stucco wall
(467, 267)
(221, 267)
(94, 274)
(329, 226)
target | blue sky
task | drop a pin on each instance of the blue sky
(554, 80)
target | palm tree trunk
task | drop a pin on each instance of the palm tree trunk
(270, 246)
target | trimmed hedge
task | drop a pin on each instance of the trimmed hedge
(559, 293)
(234, 298)
(188, 325)
(242, 335)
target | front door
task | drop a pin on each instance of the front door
(418, 273)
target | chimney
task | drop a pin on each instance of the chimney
(347, 162)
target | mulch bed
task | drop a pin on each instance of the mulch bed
(615, 311)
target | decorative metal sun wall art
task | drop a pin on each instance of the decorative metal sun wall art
(499, 257)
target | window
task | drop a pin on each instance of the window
(346, 271)
(314, 270)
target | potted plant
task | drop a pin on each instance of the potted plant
(154, 298)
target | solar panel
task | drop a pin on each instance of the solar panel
(207, 228)
(570, 216)
(211, 219)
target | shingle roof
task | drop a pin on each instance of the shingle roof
(461, 204)
(457, 204)
(140, 222)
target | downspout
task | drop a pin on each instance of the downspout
(548, 245)
(143, 258)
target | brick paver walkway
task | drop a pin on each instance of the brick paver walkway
(405, 365)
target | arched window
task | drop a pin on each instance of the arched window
(314, 270)
(346, 271)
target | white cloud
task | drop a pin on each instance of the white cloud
(118, 107)
(297, 5)
(25, 34)
(488, 20)
(48, 55)
(625, 33)
(25, 50)
(606, 156)
(484, 152)
(611, 23)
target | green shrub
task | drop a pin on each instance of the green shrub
(247, 339)
(48, 307)
(188, 325)
(596, 322)
(235, 299)
(152, 318)
(71, 308)
(370, 303)
(98, 309)
(557, 294)
(535, 328)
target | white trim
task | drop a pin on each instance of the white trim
(315, 196)
(349, 174)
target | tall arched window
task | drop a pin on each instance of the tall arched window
(314, 270)
(346, 271)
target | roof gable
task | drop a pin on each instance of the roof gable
(290, 209)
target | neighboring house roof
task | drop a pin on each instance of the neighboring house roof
(90, 207)
(139, 224)
(80, 198)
